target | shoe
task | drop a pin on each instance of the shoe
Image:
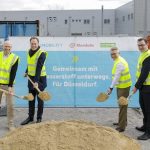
(142, 129)
(38, 121)
(28, 120)
(145, 136)
(115, 123)
(120, 130)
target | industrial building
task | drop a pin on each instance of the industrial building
(130, 19)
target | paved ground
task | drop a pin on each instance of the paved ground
(102, 116)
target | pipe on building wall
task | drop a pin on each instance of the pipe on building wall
(145, 19)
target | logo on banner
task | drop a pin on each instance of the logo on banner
(54, 45)
(81, 45)
(107, 45)
(72, 45)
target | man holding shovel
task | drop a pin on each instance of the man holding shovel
(36, 71)
(143, 85)
(121, 79)
(8, 68)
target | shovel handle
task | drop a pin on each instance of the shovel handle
(33, 84)
(5, 91)
(130, 95)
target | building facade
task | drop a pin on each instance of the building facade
(131, 19)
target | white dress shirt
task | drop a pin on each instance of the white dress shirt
(119, 69)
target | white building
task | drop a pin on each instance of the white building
(128, 19)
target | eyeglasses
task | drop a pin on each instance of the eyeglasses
(141, 45)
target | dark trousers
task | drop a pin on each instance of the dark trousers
(32, 105)
(123, 109)
(144, 100)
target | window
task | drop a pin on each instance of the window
(86, 21)
(76, 34)
(19, 28)
(54, 19)
(50, 19)
(66, 21)
(95, 33)
(88, 33)
(106, 21)
(129, 17)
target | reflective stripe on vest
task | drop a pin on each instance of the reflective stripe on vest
(142, 57)
(125, 77)
(32, 63)
(5, 67)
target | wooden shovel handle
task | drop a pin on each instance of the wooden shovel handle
(33, 84)
(5, 91)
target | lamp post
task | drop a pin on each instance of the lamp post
(102, 19)
(145, 19)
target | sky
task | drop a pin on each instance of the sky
(59, 4)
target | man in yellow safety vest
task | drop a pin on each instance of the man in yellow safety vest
(36, 70)
(8, 68)
(143, 85)
(121, 79)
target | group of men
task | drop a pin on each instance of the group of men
(121, 79)
(35, 70)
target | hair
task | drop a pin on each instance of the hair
(114, 49)
(142, 39)
(34, 37)
(7, 42)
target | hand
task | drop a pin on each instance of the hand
(10, 90)
(35, 85)
(25, 75)
(109, 91)
(134, 90)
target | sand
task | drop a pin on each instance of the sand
(67, 135)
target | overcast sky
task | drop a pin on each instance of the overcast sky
(59, 4)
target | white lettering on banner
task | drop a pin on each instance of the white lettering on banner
(58, 45)
(80, 84)
(67, 78)
(70, 68)
(75, 76)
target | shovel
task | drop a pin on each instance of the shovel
(123, 101)
(43, 95)
(28, 97)
(102, 97)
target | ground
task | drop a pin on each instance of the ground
(101, 116)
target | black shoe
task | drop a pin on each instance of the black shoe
(142, 129)
(115, 123)
(120, 130)
(145, 136)
(39, 120)
(28, 120)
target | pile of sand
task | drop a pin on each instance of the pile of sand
(66, 135)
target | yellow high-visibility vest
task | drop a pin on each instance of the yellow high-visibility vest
(142, 57)
(5, 67)
(32, 63)
(125, 78)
